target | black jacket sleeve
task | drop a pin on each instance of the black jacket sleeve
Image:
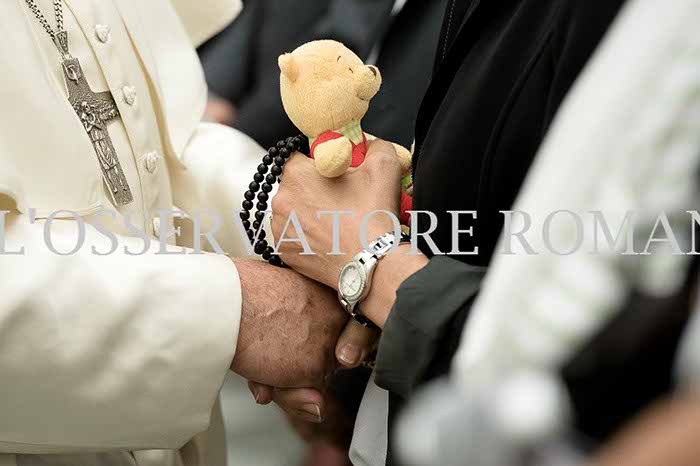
(425, 325)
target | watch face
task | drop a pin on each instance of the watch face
(352, 280)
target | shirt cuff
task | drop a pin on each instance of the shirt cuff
(426, 305)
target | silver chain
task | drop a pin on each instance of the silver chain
(58, 10)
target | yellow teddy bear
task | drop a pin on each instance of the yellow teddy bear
(326, 90)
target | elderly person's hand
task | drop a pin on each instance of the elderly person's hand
(374, 186)
(311, 404)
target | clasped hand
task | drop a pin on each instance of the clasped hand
(373, 187)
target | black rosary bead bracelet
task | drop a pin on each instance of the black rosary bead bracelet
(258, 194)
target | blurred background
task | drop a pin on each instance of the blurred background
(399, 36)
(257, 435)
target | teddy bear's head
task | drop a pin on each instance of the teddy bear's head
(325, 86)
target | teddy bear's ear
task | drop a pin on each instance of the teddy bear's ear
(289, 67)
(368, 80)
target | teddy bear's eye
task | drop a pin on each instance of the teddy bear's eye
(350, 68)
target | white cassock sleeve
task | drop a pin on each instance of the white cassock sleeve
(109, 352)
(218, 164)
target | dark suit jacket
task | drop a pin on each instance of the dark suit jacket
(406, 58)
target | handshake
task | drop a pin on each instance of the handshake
(293, 330)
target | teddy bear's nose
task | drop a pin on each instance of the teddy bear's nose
(373, 70)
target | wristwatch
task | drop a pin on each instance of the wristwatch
(356, 277)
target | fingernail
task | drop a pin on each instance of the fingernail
(350, 354)
(311, 412)
(256, 394)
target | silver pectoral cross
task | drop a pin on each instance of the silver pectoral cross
(95, 111)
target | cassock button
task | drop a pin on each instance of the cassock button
(103, 33)
(150, 162)
(129, 93)
(156, 226)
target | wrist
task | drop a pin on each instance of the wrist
(378, 226)
(261, 310)
(246, 272)
(390, 272)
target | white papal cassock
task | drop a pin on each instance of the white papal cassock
(114, 359)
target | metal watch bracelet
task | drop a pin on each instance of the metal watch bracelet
(355, 278)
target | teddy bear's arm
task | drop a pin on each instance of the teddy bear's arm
(333, 158)
(404, 154)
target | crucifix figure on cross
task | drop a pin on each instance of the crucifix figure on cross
(95, 111)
